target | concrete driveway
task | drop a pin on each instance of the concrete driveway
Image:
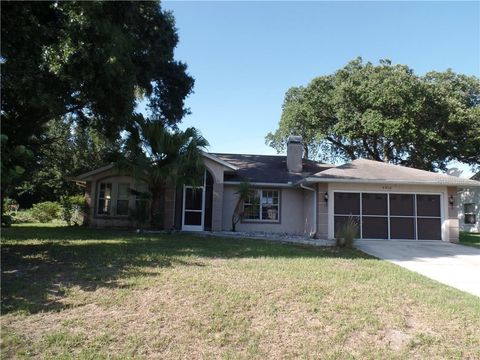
(450, 264)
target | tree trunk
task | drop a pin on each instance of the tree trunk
(157, 205)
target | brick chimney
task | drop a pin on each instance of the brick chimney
(294, 154)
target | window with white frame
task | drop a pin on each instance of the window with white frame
(262, 205)
(104, 198)
(470, 217)
(123, 199)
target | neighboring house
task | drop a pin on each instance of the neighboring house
(295, 196)
(469, 207)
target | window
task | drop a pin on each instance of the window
(470, 218)
(117, 198)
(123, 199)
(262, 205)
(104, 198)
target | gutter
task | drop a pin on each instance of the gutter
(314, 208)
(261, 184)
(469, 183)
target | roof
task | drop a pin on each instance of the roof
(370, 171)
(476, 176)
(268, 169)
(88, 175)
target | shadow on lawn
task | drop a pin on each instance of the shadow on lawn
(35, 275)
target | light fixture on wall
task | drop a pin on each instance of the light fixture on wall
(326, 197)
(450, 200)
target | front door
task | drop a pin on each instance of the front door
(193, 208)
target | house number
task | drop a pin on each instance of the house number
(386, 187)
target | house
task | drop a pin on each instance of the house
(469, 207)
(293, 195)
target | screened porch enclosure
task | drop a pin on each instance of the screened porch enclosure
(392, 216)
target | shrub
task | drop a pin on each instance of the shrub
(46, 211)
(23, 217)
(10, 205)
(347, 233)
(6, 220)
(139, 214)
(73, 209)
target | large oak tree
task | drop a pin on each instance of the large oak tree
(385, 112)
(90, 61)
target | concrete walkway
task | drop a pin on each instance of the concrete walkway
(454, 265)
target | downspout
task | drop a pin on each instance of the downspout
(314, 208)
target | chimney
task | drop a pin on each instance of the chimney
(294, 154)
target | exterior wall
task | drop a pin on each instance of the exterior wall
(452, 221)
(308, 213)
(322, 211)
(96, 220)
(292, 219)
(217, 171)
(448, 227)
(469, 196)
(169, 207)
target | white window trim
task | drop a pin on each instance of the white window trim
(261, 220)
(474, 213)
(99, 198)
(194, 227)
(117, 198)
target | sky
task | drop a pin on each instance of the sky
(244, 56)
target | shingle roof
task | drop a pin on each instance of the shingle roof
(362, 170)
(267, 168)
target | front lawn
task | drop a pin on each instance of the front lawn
(82, 293)
(471, 239)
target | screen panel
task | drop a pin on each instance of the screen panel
(374, 227)
(402, 204)
(346, 203)
(429, 229)
(402, 228)
(374, 204)
(428, 205)
(339, 221)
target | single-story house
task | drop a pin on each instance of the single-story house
(469, 208)
(293, 195)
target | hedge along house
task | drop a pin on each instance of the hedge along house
(295, 196)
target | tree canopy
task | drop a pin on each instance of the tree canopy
(89, 64)
(385, 112)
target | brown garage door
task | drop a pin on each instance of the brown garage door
(390, 215)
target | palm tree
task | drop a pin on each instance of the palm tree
(243, 192)
(166, 156)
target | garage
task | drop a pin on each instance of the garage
(393, 216)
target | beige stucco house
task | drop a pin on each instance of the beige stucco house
(295, 196)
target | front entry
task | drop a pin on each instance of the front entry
(193, 208)
(197, 205)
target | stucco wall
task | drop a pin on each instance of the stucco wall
(452, 221)
(292, 217)
(442, 190)
(217, 171)
(96, 220)
(469, 196)
(322, 211)
(308, 213)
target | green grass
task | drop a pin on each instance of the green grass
(470, 239)
(93, 294)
